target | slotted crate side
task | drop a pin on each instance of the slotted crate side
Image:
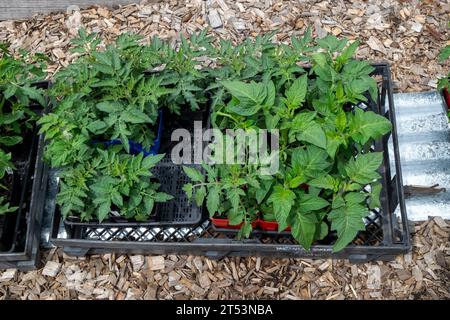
(25, 254)
(386, 235)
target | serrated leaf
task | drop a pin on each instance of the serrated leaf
(296, 93)
(213, 199)
(308, 203)
(363, 169)
(135, 116)
(347, 221)
(200, 194)
(249, 95)
(103, 210)
(375, 196)
(310, 160)
(367, 125)
(244, 110)
(234, 195)
(348, 52)
(304, 228)
(149, 203)
(282, 201)
(109, 106)
(262, 192)
(34, 94)
(96, 126)
(245, 231)
(163, 197)
(323, 182)
(10, 141)
(314, 134)
(151, 160)
(193, 174)
(188, 188)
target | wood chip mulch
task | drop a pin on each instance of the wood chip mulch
(423, 273)
(408, 34)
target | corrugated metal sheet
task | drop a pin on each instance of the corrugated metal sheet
(424, 142)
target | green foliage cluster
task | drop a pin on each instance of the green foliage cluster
(325, 159)
(17, 74)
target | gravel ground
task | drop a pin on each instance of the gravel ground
(408, 34)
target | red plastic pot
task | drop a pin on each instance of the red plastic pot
(224, 223)
(446, 97)
(270, 226)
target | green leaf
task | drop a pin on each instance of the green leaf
(234, 195)
(347, 221)
(323, 182)
(363, 169)
(135, 116)
(188, 188)
(96, 126)
(151, 160)
(310, 160)
(235, 216)
(9, 91)
(333, 143)
(282, 201)
(34, 94)
(270, 98)
(244, 110)
(194, 174)
(103, 210)
(355, 197)
(262, 192)
(348, 52)
(149, 203)
(296, 181)
(109, 106)
(213, 199)
(322, 231)
(249, 94)
(304, 229)
(309, 203)
(367, 125)
(245, 231)
(314, 134)
(163, 197)
(375, 196)
(444, 54)
(200, 194)
(320, 59)
(297, 91)
(10, 141)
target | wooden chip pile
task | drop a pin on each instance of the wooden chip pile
(422, 274)
(407, 34)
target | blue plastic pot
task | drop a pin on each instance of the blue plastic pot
(136, 148)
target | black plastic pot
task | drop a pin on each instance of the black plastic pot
(386, 234)
(20, 230)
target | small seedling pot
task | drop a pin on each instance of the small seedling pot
(224, 223)
(270, 225)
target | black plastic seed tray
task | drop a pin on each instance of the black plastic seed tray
(176, 212)
(386, 233)
(20, 230)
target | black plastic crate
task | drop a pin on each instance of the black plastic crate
(176, 212)
(20, 230)
(386, 233)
